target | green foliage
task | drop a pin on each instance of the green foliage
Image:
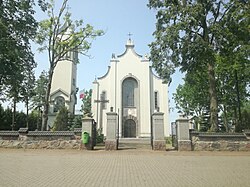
(99, 136)
(17, 27)
(76, 122)
(246, 116)
(40, 90)
(35, 120)
(192, 98)
(168, 140)
(192, 35)
(61, 122)
(5, 117)
(86, 106)
(20, 121)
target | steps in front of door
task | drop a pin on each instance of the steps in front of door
(135, 143)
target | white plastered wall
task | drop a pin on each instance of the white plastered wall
(130, 64)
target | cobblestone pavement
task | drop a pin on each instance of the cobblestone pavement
(123, 168)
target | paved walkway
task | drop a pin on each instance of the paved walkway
(123, 168)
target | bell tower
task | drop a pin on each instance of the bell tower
(63, 88)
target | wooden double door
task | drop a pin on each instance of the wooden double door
(129, 128)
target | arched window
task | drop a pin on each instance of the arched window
(59, 103)
(128, 92)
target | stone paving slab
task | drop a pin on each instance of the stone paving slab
(132, 167)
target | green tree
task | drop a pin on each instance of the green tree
(76, 123)
(35, 122)
(60, 35)
(233, 63)
(13, 94)
(21, 120)
(232, 89)
(19, 88)
(86, 106)
(61, 122)
(17, 27)
(192, 98)
(38, 99)
(6, 118)
(246, 116)
(2, 113)
(27, 91)
(189, 35)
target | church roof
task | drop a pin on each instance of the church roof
(59, 91)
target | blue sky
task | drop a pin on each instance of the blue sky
(117, 18)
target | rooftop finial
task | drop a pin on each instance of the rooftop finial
(129, 36)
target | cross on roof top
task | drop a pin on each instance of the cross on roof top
(129, 35)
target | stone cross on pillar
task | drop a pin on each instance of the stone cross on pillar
(102, 101)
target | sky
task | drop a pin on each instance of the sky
(116, 18)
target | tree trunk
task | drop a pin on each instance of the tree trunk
(236, 122)
(14, 114)
(225, 120)
(27, 113)
(213, 99)
(46, 105)
(239, 126)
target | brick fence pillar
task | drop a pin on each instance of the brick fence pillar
(184, 142)
(87, 126)
(23, 134)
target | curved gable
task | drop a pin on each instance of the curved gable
(105, 75)
(129, 46)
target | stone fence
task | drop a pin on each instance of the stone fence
(220, 141)
(189, 140)
(41, 139)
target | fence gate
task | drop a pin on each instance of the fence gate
(174, 135)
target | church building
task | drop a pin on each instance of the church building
(132, 90)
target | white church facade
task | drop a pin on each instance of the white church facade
(132, 90)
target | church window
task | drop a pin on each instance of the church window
(59, 103)
(128, 87)
(156, 100)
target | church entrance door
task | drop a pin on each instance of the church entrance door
(130, 129)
